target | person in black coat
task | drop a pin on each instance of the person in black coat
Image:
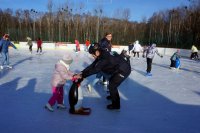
(105, 43)
(130, 47)
(114, 65)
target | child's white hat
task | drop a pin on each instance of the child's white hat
(67, 59)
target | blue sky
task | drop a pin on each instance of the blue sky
(138, 8)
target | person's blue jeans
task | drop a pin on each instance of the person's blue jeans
(99, 75)
(5, 58)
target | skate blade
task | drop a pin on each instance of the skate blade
(48, 109)
(81, 113)
(61, 108)
(86, 108)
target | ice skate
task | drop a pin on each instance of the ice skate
(113, 107)
(105, 83)
(49, 107)
(99, 82)
(8, 66)
(61, 106)
(108, 97)
(1, 67)
(173, 68)
(96, 81)
(89, 88)
(148, 75)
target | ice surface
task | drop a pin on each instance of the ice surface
(167, 102)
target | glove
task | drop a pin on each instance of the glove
(161, 56)
(75, 77)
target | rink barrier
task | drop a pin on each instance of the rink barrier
(117, 48)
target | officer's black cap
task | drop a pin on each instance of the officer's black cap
(93, 48)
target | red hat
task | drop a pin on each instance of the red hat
(6, 36)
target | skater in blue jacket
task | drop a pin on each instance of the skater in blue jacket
(4, 45)
(175, 60)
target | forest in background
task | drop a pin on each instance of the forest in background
(175, 28)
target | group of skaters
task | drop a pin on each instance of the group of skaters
(86, 46)
(39, 45)
(5, 43)
(148, 52)
(114, 68)
(111, 67)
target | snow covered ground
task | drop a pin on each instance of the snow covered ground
(167, 102)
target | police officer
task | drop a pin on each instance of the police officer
(114, 65)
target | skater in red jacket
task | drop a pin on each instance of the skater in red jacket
(77, 45)
(39, 45)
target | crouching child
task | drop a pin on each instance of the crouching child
(175, 60)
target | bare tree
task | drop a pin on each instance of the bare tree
(49, 19)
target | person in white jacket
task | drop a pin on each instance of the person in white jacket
(137, 48)
(150, 53)
(194, 54)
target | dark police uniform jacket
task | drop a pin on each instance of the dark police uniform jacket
(109, 64)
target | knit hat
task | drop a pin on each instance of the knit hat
(6, 36)
(93, 48)
(153, 45)
(67, 59)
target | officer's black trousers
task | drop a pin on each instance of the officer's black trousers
(115, 80)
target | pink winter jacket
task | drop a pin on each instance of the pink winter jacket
(61, 74)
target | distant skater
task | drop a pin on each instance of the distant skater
(194, 54)
(175, 60)
(39, 45)
(136, 49)
(30, 44)
(150, 53)
(4, 50)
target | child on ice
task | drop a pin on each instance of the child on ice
(175, 60)
(39, 45)
(77, 46)
(61, 74)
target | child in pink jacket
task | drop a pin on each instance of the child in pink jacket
(61, 74)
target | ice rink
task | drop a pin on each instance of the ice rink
(167, 102)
